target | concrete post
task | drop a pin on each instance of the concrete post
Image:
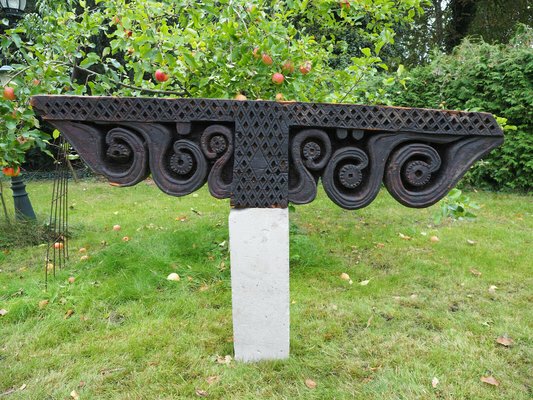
(259, 253)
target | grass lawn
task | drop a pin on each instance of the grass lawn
(135, 335)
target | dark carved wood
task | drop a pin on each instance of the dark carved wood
(265, 154)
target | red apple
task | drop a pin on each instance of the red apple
(255, 52)
(11, 171)
(58, 245)
(305, 68)
(278, 78)
(36, 82)
(345, 4)
(267, 60)
(240, 96)
(288, 67)
(279, 96)
(116, 227)
(160, 76)
(9, 93)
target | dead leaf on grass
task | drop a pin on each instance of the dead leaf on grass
(492, 289)
(434, 239)
(434, 382)
(404, 237)
(311, 384)
(471, 242)
(74, 395)
(505, 341)
(201, 393)
(43, 304)
(3, 312)
(24, 386)
(475, 272)
(212, 379)
(107, 371)
(69, 313)
(364, 283)
(203, 288)
(226, 360)
(490, 380)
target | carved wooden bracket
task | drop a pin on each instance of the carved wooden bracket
(265, 154)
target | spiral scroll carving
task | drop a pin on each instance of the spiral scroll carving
(188, 165)
(311, 151)
(126, 158)
(217, 143)
(411, 173)
(344, 175)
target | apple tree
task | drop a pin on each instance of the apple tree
(254, 49)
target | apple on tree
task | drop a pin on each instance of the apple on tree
(11, 171)
(161, 76)
(305, 68)
(9, 93)
(278, 78)
(288, 67)
(267, 60)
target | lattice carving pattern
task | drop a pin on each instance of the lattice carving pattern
(264, 154)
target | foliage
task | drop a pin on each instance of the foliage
(456, 206)
(206, 49)
(482, 77)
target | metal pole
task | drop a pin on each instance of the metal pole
(23, 207)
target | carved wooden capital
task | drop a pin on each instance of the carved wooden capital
(265, 154)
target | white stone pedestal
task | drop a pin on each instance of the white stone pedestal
(259, 253)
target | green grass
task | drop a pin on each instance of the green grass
(135, 335)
